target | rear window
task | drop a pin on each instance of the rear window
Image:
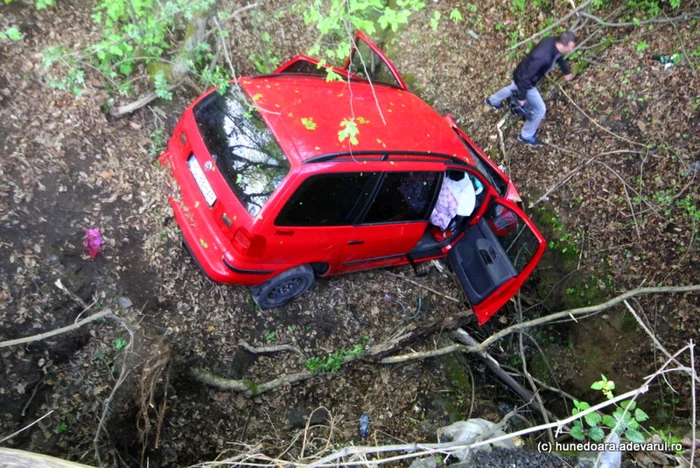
(244, 149)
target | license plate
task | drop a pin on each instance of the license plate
(202, 182)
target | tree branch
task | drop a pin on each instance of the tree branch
(552, 26)
(684, 17)
(58, 331)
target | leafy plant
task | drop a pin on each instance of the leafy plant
(333, 362)
(624, 420)
(272, 336)
(13, 34)
(120, 343)
(61, 427)
(642, 46)
(435, 20)
(455, 15)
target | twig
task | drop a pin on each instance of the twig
(651, 334)
(572, 172)
(593, 120)
(567, 314)
(233, 15)
(501, 143)
(122, 377)
(528, 397)
(528, 377)
(425, 287)
(26, 427)
(58, 331)
(270, 349)
(683, 17)
(139, 103)
(552, 26)
(692, 390)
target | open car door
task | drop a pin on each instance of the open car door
(495, 257)
(368, 62)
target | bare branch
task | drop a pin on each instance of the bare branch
(58, 331)
(684, 17)
(552, 26)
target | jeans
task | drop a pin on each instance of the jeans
(534, 103)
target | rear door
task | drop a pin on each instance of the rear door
(368, 62)
(313, 223)
(391, 225)
(495, 257)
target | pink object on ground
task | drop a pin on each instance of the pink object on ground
(93, 241)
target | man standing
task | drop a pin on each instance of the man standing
(531, 70)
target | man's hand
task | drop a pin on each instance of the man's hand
(522, 103)
(569, 77)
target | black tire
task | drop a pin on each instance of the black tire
(283, 288)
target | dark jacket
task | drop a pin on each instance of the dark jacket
(538, 63)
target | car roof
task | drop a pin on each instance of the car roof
(305, 112)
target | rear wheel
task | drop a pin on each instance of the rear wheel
(284, 287)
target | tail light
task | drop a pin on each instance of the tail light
(248, 244)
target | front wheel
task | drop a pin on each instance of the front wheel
(283, 288)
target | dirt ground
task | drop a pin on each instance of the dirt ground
(627, 219)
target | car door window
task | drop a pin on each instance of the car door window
(367, 64)
(328, 200)
(403, 197)
(517, 239)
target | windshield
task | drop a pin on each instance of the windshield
(244, 149)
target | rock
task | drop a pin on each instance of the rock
(429, 462)
(517, 458)
(608, 459)
(124, 302)
(474, 430)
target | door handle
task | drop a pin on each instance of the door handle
(485, 255)
(356, 242)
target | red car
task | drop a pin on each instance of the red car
(289, 176)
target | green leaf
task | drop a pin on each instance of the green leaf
(309, 123)
(629, 405)
(41, 4)
(348, 131)
(577, 433)
(332, 76)
(14, 34)
(596, 433)
(272, 336)
(597, 385)
(435, 20)
(455, 15)
(593, 419)
(120, 343)
(635, 436)
(609, 421)
(640, 415)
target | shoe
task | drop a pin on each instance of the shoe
(492, 106)
(532, 141)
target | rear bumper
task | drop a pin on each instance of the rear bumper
(203, 237)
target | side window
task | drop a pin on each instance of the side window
(366, 64)
(403, 196)
(491, 175)
(328, 200)
(516, 238)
